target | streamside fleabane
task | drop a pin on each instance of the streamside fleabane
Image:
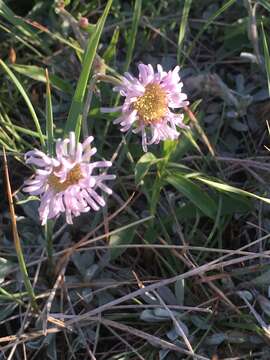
(68, 183)
(149, 101)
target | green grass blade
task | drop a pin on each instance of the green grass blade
(265, 4)
(133, 33)
(124, 237)
(37, 73)
(23, 130)
(143, 165)
(26, 99)
(182, 27)
(212, 18)
(49, 116)
(9, 15)
(75, 113)
(266, 58)
(110, 52)
(231, 189)
(20, 39)
(194, 193)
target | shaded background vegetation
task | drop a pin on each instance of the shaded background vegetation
(158, 224)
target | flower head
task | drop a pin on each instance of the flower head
(66, 183)
(148, 103)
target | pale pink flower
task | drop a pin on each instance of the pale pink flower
(67, 183)
(148, 103)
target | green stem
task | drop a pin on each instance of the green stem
(24, 272)
(7, 295)
(49, 244)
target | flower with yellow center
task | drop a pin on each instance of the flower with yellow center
(67, 183)
(149, 101)
(152, 105)
(72, 178)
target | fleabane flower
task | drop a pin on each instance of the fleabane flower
(148, 105)
(69, 182)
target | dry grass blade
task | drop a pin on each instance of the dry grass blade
(16, 238)
(257, 316)
(213, 265)
(150, 338)
(176, 323)
(200, 130)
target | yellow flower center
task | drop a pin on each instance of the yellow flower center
(73, 178)
(152, 105)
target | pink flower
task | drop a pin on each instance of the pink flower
(66, 183)
(148, 103)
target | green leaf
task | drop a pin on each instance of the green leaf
(231, 189)
(75, 113)
(265, 4)
(179, 289)
(183, 26)
(49, 116)
(143, 165)
(231, 204)
(133, 32)
(266, 58)
(124, 237)
(176, 149)
(26, 99)
(194, 193)
(37, 73)
(109, 54)
(9, 15)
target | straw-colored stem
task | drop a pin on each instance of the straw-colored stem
(16, 239)
(196, 124)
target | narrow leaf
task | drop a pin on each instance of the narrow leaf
(124, 237)
(37, 73)
(265, 4)
(266, 58)
(231, 189)
(194, 193)
(212, 18)
(9, 15)
(143, 165)
(26, 99)
(183, 26)
(49, 116)
(111, 49)
(133, 33)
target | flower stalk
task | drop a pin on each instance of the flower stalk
(16, 239)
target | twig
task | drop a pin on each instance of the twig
(16, 239)
(200, 130)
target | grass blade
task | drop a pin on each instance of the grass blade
(37, 73)
(9, 15)
(266, 58)
(49, 116)
(231, 189)
(194, 193)
(26, 99)
(212, 18)
(75, 113)
(16, 238)
(265, 4)
(133, 32)
(182, 27)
